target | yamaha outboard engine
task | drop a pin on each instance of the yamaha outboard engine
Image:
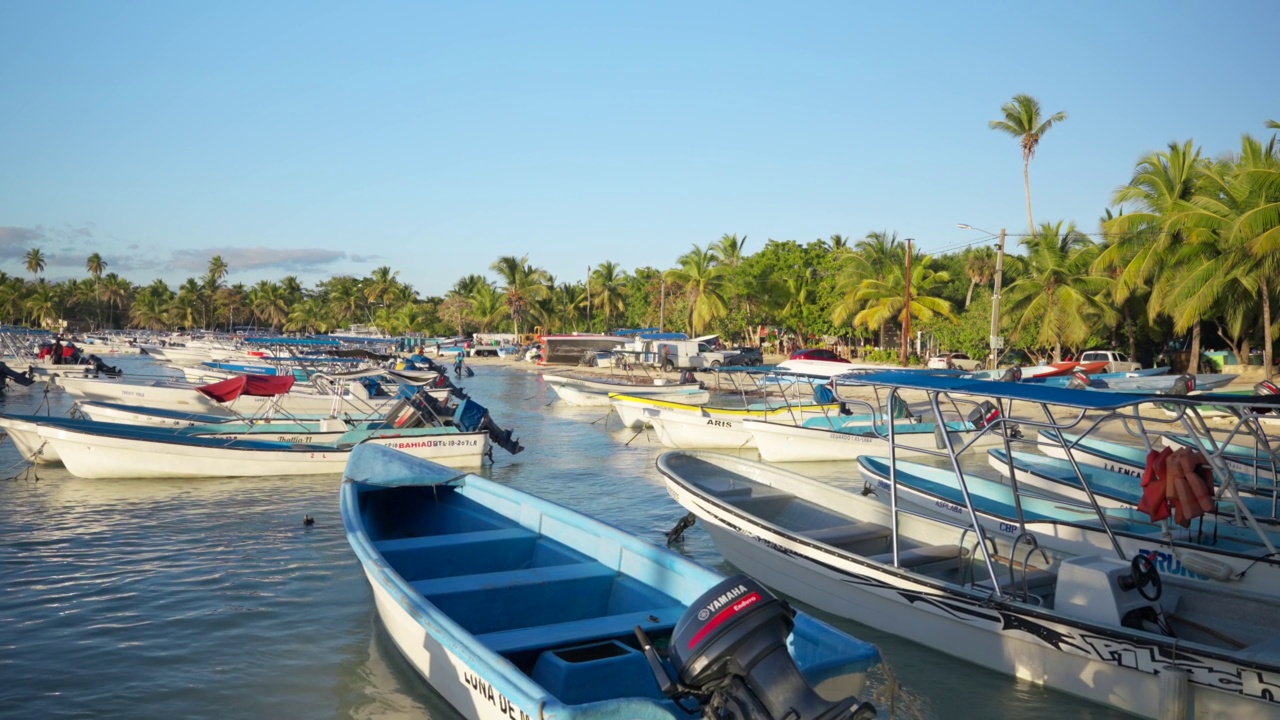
(729, 651)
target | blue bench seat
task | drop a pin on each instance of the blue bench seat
(579, 631)
(512, 578)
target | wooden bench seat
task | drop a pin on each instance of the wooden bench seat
(512, 578)
(580, 631)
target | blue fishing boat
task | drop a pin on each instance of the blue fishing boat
(515, 608)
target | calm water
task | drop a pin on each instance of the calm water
(209, 598)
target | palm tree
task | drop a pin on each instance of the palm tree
(729, 248)
(703, 279)
(42, 306)
(148, 311)
(1232, 223)
(980, 266)
(268, 303)
(380, 285)
(522, 284)
(1162, 186)
(1023, 121)
(96, 266)
(115, 292)
(875, 256)
(1060, 291)
(35, 261)
(606, 290)
(883, 298)
(218, 270)
(488, 306)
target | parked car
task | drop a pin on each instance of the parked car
(953, 361)
(750, 355)
(817, 354)
(1116, 361)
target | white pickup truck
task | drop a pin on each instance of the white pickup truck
(1116, 361)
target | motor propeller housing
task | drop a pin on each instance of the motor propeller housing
(729, 652)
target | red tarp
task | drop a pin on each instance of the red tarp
(260, 385)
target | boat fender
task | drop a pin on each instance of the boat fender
(1207, 566)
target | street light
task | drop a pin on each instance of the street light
(997, 342)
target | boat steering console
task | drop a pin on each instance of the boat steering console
(729, 651)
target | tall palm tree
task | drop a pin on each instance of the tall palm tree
(35, 261)
(522, 284)
(217, 270)
(607, 282)
(1060, 291)
(729, 249)
(96, 266)
(704, 280)
(1162, 185)
(1023, 120)
(380, 285)
(116, 292)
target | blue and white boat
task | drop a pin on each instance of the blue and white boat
(514, 608)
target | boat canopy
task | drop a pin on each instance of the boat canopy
(1083, 399)
(312, 342)
(255, 385)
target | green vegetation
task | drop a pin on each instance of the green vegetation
(1191, 247)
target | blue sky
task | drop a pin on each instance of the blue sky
(322, 138)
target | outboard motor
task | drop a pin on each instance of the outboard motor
(1013, 374)
(101, 367)
(729, 651)
(1182, 386)
(1266, 387)
(1078, 381)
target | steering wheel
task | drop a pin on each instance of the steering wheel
(1144, 573)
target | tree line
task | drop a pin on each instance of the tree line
(1191, 245)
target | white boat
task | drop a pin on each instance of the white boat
(146, 454)
(177, 395)
(636, 411)
(1095, 626)
(583, 392)
(1044, 589)
(819, 440)
(514, 608)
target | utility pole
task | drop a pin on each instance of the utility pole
(997, 342)
(588, 298)
(662, 308)
(906, 318)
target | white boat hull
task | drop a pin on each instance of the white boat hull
(26, 438)
(103, 456)
(676, 429)
(583, 397)
(778, 442)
